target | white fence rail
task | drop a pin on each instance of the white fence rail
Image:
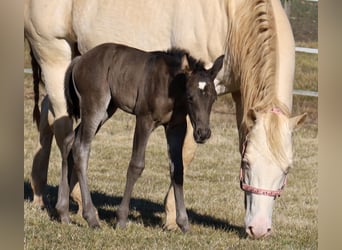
(307, 50)
(295, 91)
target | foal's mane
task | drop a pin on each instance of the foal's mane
(194, 64)
(251, 54)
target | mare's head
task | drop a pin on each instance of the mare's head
(266, 160)
(200, 96)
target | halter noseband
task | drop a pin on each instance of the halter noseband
(248, 188)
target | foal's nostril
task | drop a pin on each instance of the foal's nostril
(201, 135)
(208, 133)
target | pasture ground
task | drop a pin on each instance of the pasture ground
(213, 198)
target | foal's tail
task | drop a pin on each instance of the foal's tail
(37, 77)
(73, 103)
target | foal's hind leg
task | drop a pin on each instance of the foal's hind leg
(62, 205)
(91, 121)
(189, 149)
(143, 129)
(42, 155)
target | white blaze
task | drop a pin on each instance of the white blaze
(201, 85)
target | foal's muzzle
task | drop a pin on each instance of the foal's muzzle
(201, 135)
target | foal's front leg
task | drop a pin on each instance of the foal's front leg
(188, 153)
(143, 128)
(175, 138)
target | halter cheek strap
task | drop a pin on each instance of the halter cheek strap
(248, 188)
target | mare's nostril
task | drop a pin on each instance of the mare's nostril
(255, 234)
(250, 231)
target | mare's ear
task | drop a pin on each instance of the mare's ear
(216, 67)
(297, 121)
(252, 116)
(185, 64)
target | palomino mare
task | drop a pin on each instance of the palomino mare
(258, 43)
(159, 88)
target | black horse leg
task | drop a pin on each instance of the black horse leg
(175, 137)
(143, 129)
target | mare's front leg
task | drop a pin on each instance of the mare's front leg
(143, 128)
(175, 137)
(188, 152)
(42, 155)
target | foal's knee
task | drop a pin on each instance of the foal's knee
(136, 168)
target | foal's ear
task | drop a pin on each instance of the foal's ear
(185, 63)
(216, 67)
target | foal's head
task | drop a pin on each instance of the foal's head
(201, 94)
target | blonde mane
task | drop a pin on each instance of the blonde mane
(252, 63)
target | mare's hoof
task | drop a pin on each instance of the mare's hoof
(170, 226)
(79, 211)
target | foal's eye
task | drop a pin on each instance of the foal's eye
(189, 98)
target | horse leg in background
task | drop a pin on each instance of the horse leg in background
(41, 159)
(143, 129)
(239, 113)
(42, 155)
(54, 72)
(175, 138)
(189, 149)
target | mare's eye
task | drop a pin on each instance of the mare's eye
(245, 164)
(190, 98)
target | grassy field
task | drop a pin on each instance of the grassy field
(213, 198)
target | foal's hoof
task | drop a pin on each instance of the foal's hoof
(93, 223)
(38, 201)
(92, 219)
(65, 219)
(183, 224)
(121, 224)
(185, 228)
